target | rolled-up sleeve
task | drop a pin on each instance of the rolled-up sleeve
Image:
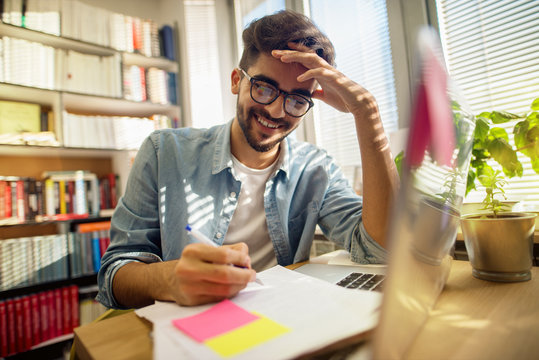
(367, 251)
(135, 231)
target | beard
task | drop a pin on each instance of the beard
(246, 125)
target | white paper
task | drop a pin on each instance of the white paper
(317, 313)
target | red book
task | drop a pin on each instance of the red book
(74, 297)
(4, 348)
(70, 196)
(3, 185)
(51, 309)
(36, 318)
(27, 322)
(113, 192)
(11, 326)
(66, 311)
(7, 200)
(59, 325)
(103, 243)
(44, 316)
(21, 206)
(19, 325)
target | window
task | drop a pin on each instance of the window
(203, 62)
(363, 53)
(491, 51)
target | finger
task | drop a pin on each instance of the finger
(300, 47)
(218, 255)
(308, 59)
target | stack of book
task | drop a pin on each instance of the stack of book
(29, 320)
(106, 132)
(153, 84)
(104, 27)
(33, 260)
(37, 65)
(86, 247)
(59, 195)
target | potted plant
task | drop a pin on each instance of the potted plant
(500, 243)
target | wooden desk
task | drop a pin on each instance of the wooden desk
(472, 319)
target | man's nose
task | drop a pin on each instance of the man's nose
(276, 108)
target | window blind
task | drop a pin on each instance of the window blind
(491, 49)
(203, 63)
(363, 53)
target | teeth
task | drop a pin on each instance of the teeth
(265, 123)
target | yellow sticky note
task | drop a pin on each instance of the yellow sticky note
(246, 337)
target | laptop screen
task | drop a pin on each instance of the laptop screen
(426, 213)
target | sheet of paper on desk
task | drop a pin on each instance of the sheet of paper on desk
(316, 313)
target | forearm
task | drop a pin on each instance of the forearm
(139, 284)
(380, 177)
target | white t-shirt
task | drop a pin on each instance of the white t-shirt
(248, 224)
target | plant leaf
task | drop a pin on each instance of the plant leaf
(497, 132)
(504, 154)
(500, 117)
(535, 104)
(481, 128)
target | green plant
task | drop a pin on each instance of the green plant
(494, 184)
(493, 142)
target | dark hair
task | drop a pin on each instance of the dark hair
(274, 32)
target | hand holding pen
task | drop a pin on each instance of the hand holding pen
(200, 237)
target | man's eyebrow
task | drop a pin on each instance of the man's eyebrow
(299, 91)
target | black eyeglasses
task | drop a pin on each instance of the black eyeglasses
(295, 105)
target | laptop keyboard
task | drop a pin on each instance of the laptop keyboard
(363, 281)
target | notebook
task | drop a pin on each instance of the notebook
(425, 217)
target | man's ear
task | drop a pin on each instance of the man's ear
(235, 79)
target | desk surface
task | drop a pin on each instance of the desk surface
(473, 319)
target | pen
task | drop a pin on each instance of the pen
(204, 239)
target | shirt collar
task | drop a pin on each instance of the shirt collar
(222, 157)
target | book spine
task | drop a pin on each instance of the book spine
(19, 195)
(96, 251)
(36, 318)
(45, 331)
(62, 197)
(49, 197)
(19, 325)
(66, 307)
(4, 348)
(11, 326)
(51, 311)
(7, 200)
(74, 297)
(3, 185)
(58, 324)
(27, 322)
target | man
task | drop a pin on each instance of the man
(245, 185)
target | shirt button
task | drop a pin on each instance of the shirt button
(233, 194)
(219, 235)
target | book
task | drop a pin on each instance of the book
(4, 349)
(74, 306)
(17, 117)
(36, 318)
(11, 326)
(166, 36)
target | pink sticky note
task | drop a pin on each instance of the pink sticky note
(217, 320)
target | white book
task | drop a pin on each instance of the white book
(15, 16)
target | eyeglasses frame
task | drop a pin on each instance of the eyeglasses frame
(279, 92)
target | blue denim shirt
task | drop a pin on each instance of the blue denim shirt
(185, 176)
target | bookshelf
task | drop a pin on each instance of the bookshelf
(89, 85)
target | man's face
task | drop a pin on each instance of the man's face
(265, 126)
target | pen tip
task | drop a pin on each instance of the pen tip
(188, 228)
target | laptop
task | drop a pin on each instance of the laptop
(425, 216)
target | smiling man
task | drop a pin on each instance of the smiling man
(255, 193)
